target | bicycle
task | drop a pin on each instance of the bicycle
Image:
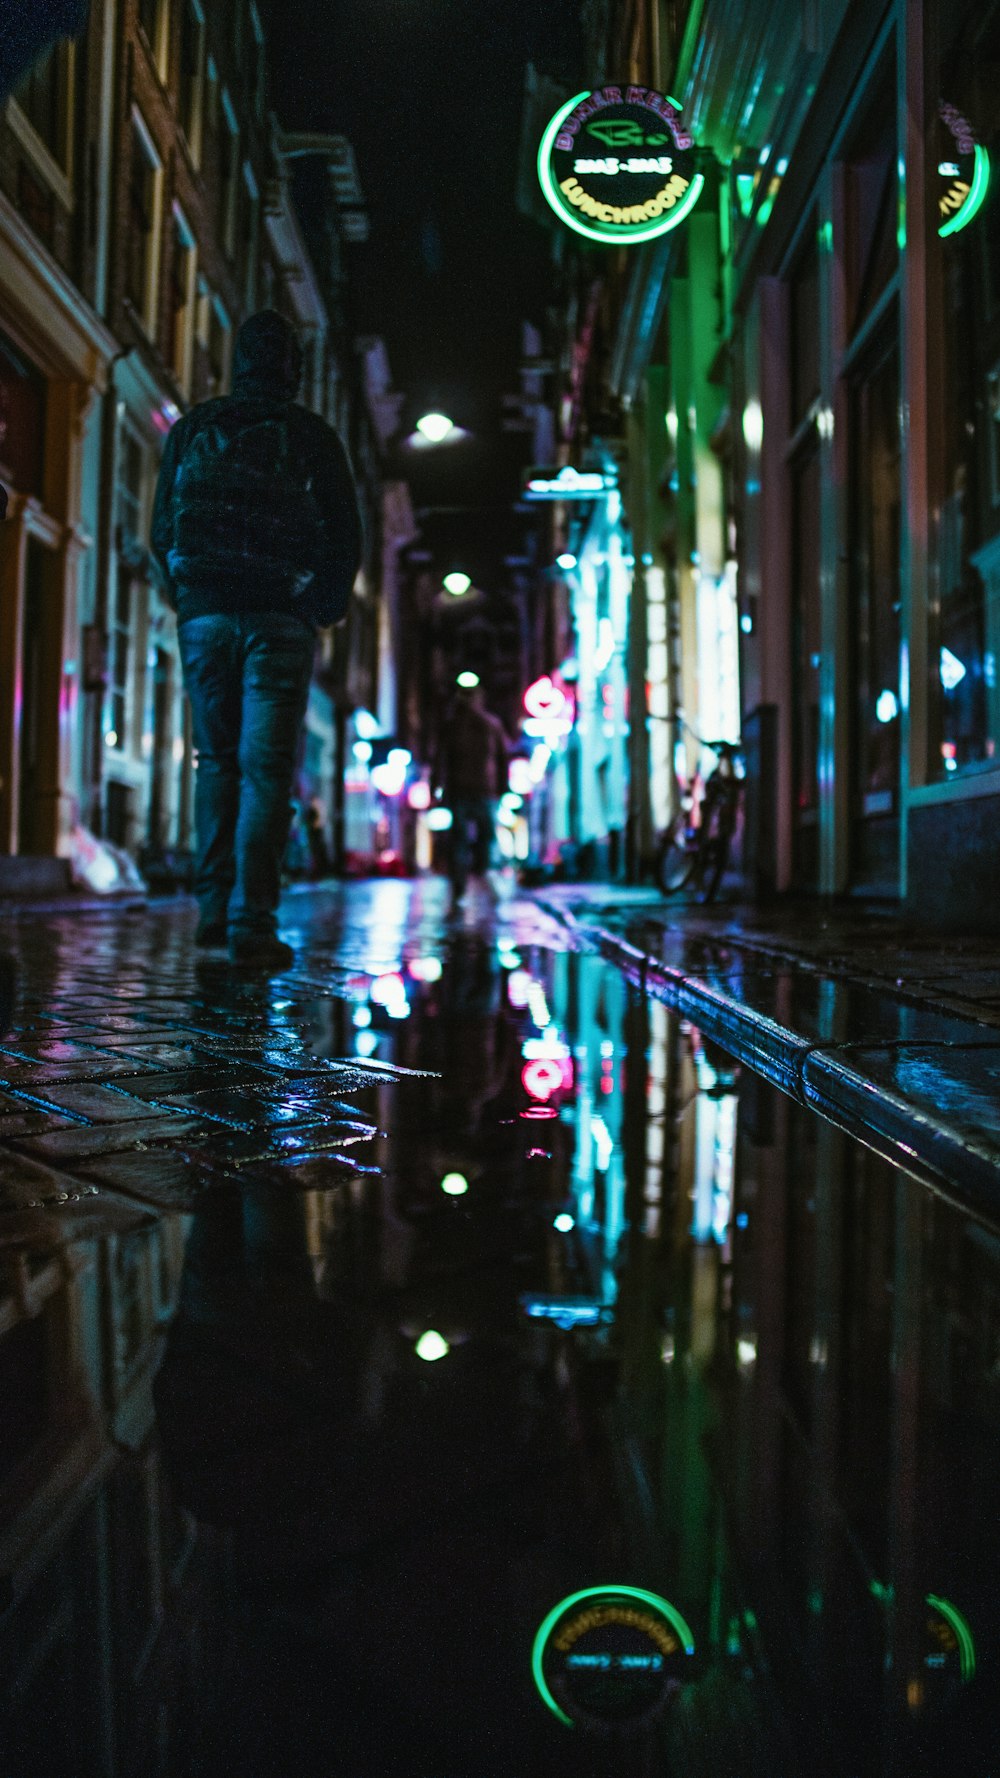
(696, 852)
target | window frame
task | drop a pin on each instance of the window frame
(141, 139)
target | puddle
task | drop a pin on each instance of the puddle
(621, 1415)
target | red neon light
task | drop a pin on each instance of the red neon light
(545, 699)
(542, 1077)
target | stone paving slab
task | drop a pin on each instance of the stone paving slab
(138, 1075)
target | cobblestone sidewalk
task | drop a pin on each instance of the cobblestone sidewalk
(135, 1072)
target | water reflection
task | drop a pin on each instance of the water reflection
(293, 1481)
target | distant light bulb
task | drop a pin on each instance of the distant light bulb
(468, 681)
(365, 724)
(455, 1185)
(431, 1346)
(457, 583)
(362, 751)
(564, 1222)
(567, 560)
(435, 427)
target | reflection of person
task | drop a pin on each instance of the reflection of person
(257, 533)
(470, 770)
(374, 1507)
(319, 857)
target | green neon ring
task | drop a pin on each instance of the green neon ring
(977, 194)
(605, 232)
(548, 1625)
(952, 1616)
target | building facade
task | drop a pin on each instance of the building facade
(147, 205)
(800, 383)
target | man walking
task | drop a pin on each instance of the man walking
(471, 772)
(257, 533)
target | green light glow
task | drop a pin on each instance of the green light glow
(598, 231)
(966, 1645)
(455, 1185)
(435, 427)
(546, 1628)
(977, 194)
(457, 582)
(468, 681)
(745, 183)
(432, 1346)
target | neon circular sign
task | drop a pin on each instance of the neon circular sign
(608, 1656)
(544, 699)
(964, 173)
(618, 166)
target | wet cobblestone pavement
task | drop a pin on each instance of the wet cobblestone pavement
(352, 1321)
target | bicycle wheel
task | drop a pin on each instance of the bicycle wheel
(675, 860)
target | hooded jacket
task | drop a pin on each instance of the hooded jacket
(267, 373)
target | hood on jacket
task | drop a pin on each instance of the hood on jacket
(268, 356)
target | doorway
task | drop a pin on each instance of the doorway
(37, 717)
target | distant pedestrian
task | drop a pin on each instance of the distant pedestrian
(257, 533)
(470, 771)
(319, 858)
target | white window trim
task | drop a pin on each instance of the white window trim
(148, 316)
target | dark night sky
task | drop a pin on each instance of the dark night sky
(429, 92)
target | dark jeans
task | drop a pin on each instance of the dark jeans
(472, 837)
(247, 676)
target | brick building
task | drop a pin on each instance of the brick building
(146, 206)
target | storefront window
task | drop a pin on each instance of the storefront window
(964, 726)
(870, 256)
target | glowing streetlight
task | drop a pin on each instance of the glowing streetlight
(432, 1346)
(455, 1185)
(457, 583)
(468, 681)
(566, 561)
(435, 427)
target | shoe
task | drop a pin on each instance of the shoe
(210, 934)
(261, 952)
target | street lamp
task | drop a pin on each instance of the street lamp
(468, 681)
(436, 427)
(457, 583)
